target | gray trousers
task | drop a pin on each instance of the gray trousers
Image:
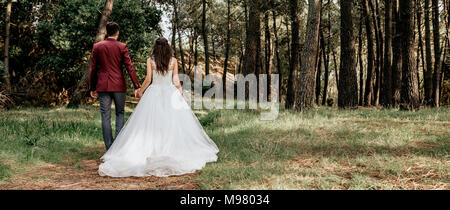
(106, 99)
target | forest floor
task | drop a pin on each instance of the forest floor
(325, 148)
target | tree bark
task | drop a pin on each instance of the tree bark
(379, 52)
(369, 89)
(293, 67)
(361, 67)
(409, 92)
(6, 50)
(325, 57)
(83, 86)
(397, 56)
(387, 86)
(174, 36)
(196, 47)
(318, 71)
(348, 84)
(268, 52)
(305, 96)
(253, 39)
(421, 47)
(428, 77)
(180, 44)
(227, 48)
(205, 38)
(277, 54)
(437, 54)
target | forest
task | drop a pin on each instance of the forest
(348, 53)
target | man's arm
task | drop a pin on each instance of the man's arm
(130, 68)
(93, 78)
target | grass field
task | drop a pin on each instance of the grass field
(326, 148)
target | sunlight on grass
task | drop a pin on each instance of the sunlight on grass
(324, 148)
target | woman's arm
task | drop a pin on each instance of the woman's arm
(148, 78)
(175, 78)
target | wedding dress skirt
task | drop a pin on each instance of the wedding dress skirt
(161, 138)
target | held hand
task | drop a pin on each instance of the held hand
(94, 94)
(137, 93)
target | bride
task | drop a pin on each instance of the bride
(162, 137)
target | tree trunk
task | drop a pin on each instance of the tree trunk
(380, 68)
(305, 96)
(277, 54)
(437, 54)
(348, 84)
(253, 39)
(174, 37)
(318, 71)
(387, 86)
(268, 52)
(397, 56)
(369, 90)
(336, 76)
(293, 67)
(196, 48)
(288, 41)
(409, 93)
(180, 44)
(191, 52)
(326, 62)
(213, 43)
(83, 86)
(428, 77)
(205, 38)
(6, 50)
(379, 52)
(227, 48)
(421, 47)
(361, 67)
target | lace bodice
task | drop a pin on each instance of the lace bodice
(158, 78)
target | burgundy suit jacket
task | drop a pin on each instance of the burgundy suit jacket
(106, 74)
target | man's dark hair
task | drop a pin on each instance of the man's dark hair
(112, 28)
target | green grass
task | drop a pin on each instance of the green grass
(320, 149)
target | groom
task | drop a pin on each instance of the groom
(107, 82)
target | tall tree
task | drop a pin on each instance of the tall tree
(361, 67)
(369, 90)
(379, 55)
(205, 37)
(387, 86)
(174, 36)
(268, 50)
(326, 57)
(397, 55)
(305, 95)
(83, 86)
(409, 92)
(420, 50)
(253, 40)
(294, 59)
(437, 53)
(6, 50)
(180, 44)
(227, 45)
(277, 53)
(428, 78)
(348, 84)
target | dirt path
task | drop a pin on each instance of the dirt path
(83, 176)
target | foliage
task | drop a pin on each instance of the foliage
(69, 31)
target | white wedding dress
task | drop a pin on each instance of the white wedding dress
(161, 138)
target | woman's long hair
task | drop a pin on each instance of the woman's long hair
(162, 53)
